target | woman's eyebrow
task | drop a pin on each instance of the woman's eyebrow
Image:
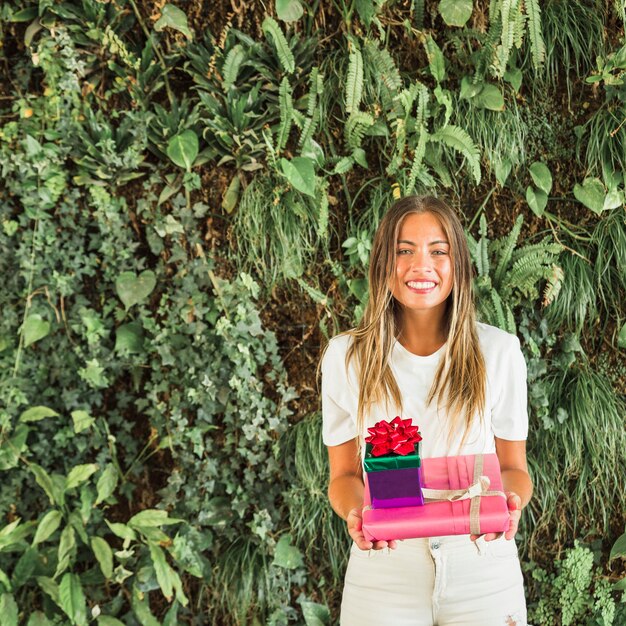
(432, 243)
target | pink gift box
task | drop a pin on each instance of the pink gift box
(439, 518)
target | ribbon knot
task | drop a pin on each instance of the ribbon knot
(398, 436)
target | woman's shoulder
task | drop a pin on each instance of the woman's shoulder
(337, 347)
(495, 340)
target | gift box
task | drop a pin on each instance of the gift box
(394, 481)
(462, 495)
(392, 464)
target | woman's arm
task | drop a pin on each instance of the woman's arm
(515, 477)
(345, 492)
(516, 482)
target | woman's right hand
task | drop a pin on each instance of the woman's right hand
(355, 529)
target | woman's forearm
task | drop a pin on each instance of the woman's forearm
(518, 481)
(345, 493)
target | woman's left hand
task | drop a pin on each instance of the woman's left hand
(514, 502)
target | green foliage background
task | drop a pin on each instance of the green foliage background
(187, 202)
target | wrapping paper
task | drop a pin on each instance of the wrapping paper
(435, 519)
(394, 480)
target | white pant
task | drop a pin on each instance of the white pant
(443, 581)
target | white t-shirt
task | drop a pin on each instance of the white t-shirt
(506, 414)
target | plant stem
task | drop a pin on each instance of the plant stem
(157, 49)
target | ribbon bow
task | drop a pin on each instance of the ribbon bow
(398, 436)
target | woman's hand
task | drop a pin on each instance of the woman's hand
(355, 529)
(514, 503)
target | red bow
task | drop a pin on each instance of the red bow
(398, 436)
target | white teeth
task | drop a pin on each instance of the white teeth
(425, 285)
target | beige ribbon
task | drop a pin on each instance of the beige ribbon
(478, 489)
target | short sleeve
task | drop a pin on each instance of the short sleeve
(338, 426)
(509, 416)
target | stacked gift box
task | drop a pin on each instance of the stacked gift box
(409, 497)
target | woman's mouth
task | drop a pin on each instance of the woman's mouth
(421, 286)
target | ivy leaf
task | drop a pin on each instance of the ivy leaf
(79, 475)
(183, 149)
(82, 420)
(469, 88)
(8, 609)
(129, 338)
(541, 176)
(133, 289)
(537, 200)
(72, 599)
(36, 413)
(47, 526)
(315, 614)
(591, 194)
(104, 555)
(286, 555)
(621, 339)
(619, 548)
(491, 98)
(455, 12)
(613, 200)
(35, 328)
(502, 171)
(289, 10)
(514, 77)
(173, 17)
(300, 173)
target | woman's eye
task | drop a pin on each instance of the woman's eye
(401, 251)
(439, 252)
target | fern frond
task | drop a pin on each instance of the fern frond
(458, 139)
(232, 64)
(385, 67)
(546, 249)
(419, 7)
(269, 143)
(507, 250)
(397, 157)
(495, 7)
(553, 285)
(519, 27)
(355, 128)
(418, 160)
(499, 319)
(310, 126)
(322, 218)
(344, 165)
(354, 83)
(273, 31)
(298, 119)
(482, 250)
(537, 44)
(433, 158)
(312, 97)
(423, 96)
(525, 274)
(285, 104)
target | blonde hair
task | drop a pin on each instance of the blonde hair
(461, 375)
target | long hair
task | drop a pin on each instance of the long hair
(460, 380)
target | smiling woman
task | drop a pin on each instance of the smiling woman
(419, 353)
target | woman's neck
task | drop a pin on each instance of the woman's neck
(422, 335)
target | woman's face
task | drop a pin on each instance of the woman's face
(424, 270)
